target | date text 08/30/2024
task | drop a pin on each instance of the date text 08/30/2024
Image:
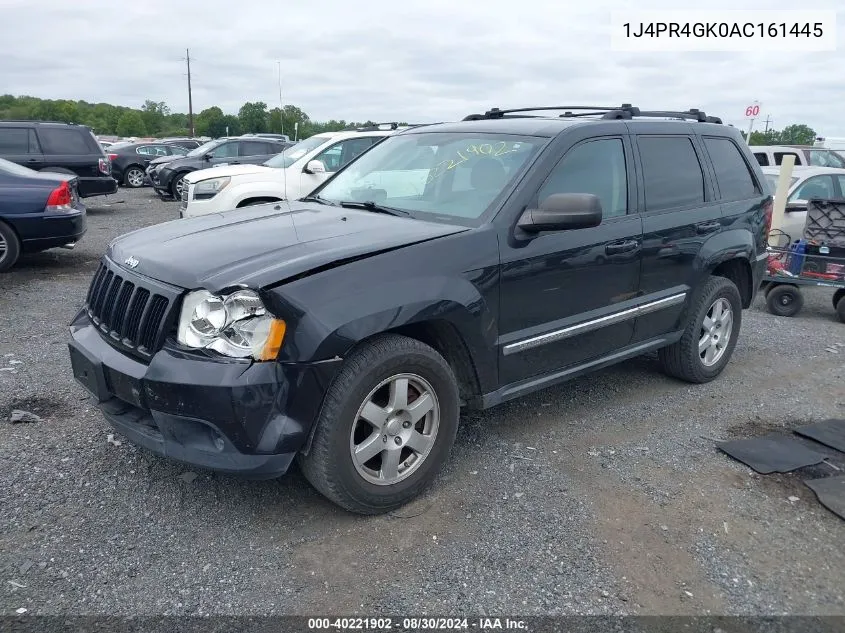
(416, 624)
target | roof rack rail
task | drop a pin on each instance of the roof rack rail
(375, 127)
(36, 121)
(625, 111)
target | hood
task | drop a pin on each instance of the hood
(164, 159)
(265, 244)
(227, 170)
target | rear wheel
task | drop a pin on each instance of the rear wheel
(840, 308)
(712, 328)
(784, 300)
(10, 247)
(387, 426)
(837, 296)
(134, 177)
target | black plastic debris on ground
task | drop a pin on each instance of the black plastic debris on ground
(830, 492)
(830, 433)
(771, 453)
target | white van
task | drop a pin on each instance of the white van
(772, 156)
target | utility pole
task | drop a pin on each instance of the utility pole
(768, 120)
(281, 105)
(190, 97)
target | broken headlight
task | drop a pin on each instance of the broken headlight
(235, 325)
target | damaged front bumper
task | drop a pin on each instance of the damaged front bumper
(245, 418)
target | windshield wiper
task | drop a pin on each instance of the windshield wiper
(318, 200)
(369, 205)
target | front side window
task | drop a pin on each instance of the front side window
(815, 188)
(226, 150)
(452, 177)
(341, 154)
(671, 171)
(596, 167)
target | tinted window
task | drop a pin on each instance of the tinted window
(596, 167)
(779, 157)
(17, 140)
(762, 159)
(64, 141)
(672, 173)
(342, 153)
(817, 187)
(153, 150)
(732, 174)
(824, 158)
(256, 148)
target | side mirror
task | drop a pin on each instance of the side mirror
(315, 167)
(561, 212)
(796, 205)
(208, 156)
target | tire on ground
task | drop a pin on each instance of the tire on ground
(682, 359)
(13, 247)
(329, 465)
(785, 300)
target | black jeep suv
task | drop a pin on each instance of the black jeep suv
(59, 147)
(451, 265)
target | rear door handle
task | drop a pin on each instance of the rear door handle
(32, 160)
(708, 227)
(626, 246)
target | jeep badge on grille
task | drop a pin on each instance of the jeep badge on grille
(131, 262)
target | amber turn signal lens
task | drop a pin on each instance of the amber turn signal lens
(274, 340)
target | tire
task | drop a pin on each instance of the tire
(837, 296)
(683, 360)
(176, 184)
(840, 309)
(10, 247)
(134, 177)
(330, 466)
(785, 300)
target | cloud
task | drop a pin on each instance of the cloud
(418, 61)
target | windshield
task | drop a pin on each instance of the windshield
(772, 181)
(178, 150)
(452, 177)
(15, 169)
(826, 158)
(295, 152)
(205, 147)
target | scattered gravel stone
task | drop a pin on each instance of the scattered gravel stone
(20, 416)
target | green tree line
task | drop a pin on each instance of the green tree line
(154, 118)
(796, 134)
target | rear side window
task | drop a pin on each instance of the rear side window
(779, 157)
(255, 148)
(732, 174)
(671, 171)
(66, 141)
(762, 159)
(18, 140)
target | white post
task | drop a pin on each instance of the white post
(782, 191)
(750, 127)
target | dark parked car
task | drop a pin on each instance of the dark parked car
(244, 150)
(347, 329)
(38, 210)
(187, 143)
(129, 161)
(59, 147)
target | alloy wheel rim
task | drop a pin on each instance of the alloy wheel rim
(179, 185)
(135, 177)
(715, 332)
(3, 247)
(395, 429)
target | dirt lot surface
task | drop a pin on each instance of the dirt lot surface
(604, 495)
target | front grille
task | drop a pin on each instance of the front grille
(130, 311)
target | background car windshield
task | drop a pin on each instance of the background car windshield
(447, 175)
(207, 147)
(772, 181)
(294, 153)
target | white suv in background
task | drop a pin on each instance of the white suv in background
(291, 175)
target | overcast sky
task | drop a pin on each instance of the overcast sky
(411, 60)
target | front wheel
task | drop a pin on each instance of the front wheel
(178, 184)
(386, 428)
(712, 328)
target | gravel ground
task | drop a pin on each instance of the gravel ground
(604, 495)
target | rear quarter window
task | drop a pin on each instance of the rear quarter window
(68, 141)
(733, 176)
(671, 171)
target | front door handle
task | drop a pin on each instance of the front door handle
(708, 227)
(614, 248)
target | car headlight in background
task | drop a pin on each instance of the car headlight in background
(235, 325)
(206, 189)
